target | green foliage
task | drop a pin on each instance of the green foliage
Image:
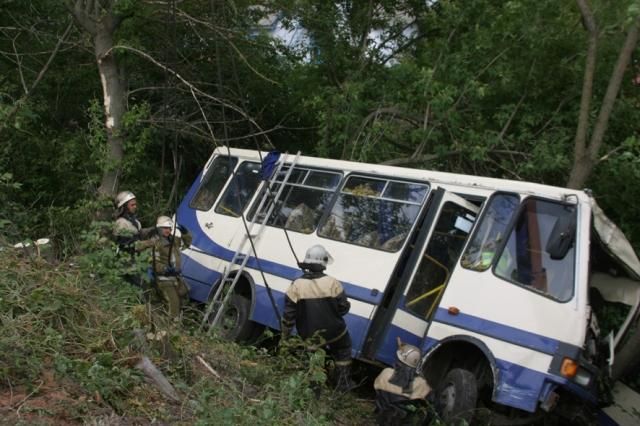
(52, 318)
(8, 208)
(72, 325)
(491, 89)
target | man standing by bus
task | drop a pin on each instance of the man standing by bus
(127, 230)
(129, 235)
(315, 304)
(167, 264)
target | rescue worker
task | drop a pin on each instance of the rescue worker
(167, 262)
(127, 230)
(401, 391)
(129, 235)
(315, 304)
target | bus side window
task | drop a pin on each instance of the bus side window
(217, 175)
(374, 212)
(526, 260)
(303, 200)
(240, 190)
(489, 234)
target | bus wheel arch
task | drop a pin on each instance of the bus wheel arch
(236, 319)
(462, 371)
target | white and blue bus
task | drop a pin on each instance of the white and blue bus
(493, 279)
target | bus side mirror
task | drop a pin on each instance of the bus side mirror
(562, 237)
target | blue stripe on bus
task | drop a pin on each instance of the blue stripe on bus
(517, 386)
(499, 331)
(187, 217)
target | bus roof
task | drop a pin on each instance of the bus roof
(483, 185)
(613, 239)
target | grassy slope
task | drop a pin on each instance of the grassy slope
(68, 356)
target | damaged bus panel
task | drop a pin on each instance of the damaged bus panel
(498, 282)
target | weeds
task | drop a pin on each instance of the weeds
(70, 329)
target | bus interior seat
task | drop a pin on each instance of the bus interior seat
(301, 218)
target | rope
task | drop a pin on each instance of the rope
(234, 175)
(176, 163)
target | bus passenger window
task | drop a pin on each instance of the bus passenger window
(489, 234)
(303, 199)
(375, 212)
(526, 260)
(217, 175)
(240, 190)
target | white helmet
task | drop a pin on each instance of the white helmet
(164, 222)
(123, 197)
(318, 255)
(408, 355)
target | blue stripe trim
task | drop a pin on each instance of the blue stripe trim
(517, 386)
(187, 217)
(499, 331)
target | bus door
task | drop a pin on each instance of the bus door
(436, 252)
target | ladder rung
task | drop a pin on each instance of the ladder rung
(262, 214)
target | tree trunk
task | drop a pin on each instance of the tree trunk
(586, 155)
(114, 108)
(97, 17)
(580, 171)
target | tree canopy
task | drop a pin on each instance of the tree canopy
(485, 88)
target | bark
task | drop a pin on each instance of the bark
(99, 20)
(114, 109)
(586, 154)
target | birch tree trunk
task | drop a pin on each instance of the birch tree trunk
(97, 17)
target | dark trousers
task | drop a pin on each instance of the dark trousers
(340, 350)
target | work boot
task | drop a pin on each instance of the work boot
(343, 378)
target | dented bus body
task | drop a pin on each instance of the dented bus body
(498, 282)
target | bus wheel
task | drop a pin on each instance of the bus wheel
(456, 397)
(236, 324)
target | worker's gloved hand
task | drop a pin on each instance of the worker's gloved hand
(183, 229)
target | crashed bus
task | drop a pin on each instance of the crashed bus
(498, 282)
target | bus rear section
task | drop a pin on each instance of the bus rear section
(363, 219)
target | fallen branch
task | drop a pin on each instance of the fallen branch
(206, 365)
(156, 376)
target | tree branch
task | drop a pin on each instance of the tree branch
(588, 20)
(233, 46)
(613, 88)
(191, 86)
(28, 91)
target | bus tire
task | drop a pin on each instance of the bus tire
(236, 324)
(456, 397)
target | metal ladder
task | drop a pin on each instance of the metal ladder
(240, 258)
